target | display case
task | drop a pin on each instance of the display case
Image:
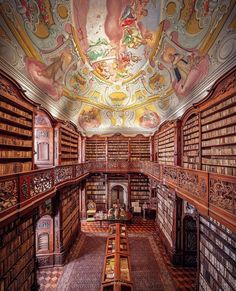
(117, 268)
(117, 261)
(118, 229)
(117, 286)
(117, 243)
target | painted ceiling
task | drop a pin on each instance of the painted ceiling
(117, 65)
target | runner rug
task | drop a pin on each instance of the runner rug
(83, 271)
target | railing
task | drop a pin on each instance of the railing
(212, 194)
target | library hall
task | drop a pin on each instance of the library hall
(117, 145)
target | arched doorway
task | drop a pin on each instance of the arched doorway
(118, 191)
(117, 195)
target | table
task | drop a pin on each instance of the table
(122, 219)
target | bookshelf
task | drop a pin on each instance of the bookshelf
(166, 144)
(165, 212)
(217, 256)
(139, 148)
(96, 190)
(139, 188)
(191, 142)
(66, 144)
(118, 148)
(155, 146)
(69, 214)
(95, 149)
(17, 255)
(16, 129)
(218, 127)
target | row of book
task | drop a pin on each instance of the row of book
(219, 162)
(191, 136)
(16, 110)
(192, 129)
(221, 123)
(69, 144)
(16, 130)
(15, 154)
(219, 132)
(219, 151)
(69, 139)
(67, 132)
(69, 150)
(191, 147)
(219, 169)
(69, 156)
(228, 102)
(192, 141)
(192, 153)
(190, 123)
(191, 159)
(166, 139)
(19, 120)
(15, 167)
(12, 141)
(219, 141)
(192, 166)
(219, 115)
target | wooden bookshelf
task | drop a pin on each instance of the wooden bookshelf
(16, 129)
(139, 188)
(216, 256)
(17, 255)
(191, 142)
(165, 213)
(118, 148)
(139, 148)
(95, 149)
(96, 190)
(155, 146)
(69, 214)
(166, 144)
(218, 127)
(67, 144)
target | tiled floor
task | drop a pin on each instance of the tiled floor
(48, 278)
(184, 278)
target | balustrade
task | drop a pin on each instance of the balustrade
(212, 194)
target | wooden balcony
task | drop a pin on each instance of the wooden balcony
(212, 194)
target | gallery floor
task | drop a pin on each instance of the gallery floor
(150, 267)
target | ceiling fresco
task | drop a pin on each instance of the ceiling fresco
(117, 65)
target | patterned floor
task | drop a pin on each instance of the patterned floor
(183, 278)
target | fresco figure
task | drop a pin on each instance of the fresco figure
(122, 30)
(49, 78)
(149, 119)
(89, 118)
(187, 70)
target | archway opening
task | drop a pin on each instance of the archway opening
(117, 195)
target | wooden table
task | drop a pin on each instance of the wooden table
(121, 219)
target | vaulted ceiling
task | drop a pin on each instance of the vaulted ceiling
(117, 65)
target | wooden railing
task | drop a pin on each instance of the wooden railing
(212, 194)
